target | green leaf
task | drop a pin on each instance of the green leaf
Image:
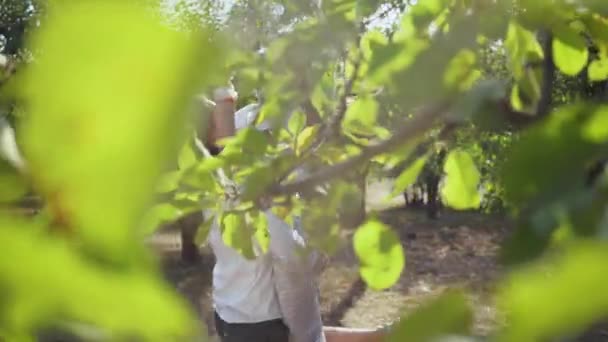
(296, 122)
(366, 7)
(116, 115)
(168, 182)
(201, 176)
(521, 44)
(203, 230)
(361, 115)
(187, 157)
(479, 103)
(159, 214)
(261, 234)
(148, 310)
(425, 11)
(256, 182)
(598, 70)
(306, 138)
(570, 51)
(380, 254)
(461, 74)
(595, 129)
(12, 185)
(408, 176)
(529, 296)
(462, 179)
(368, 40)
(252, 140)
(450, 314)
(236, 234)
(556, 144)
(598, 28)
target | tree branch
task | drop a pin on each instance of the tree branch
(422, 122)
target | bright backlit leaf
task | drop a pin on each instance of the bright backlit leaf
(380, 254)
(598, 70)
(570, 51)
(261, 234)
(462, 179)
(236, 234)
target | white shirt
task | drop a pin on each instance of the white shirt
(244, 290)
(278, 284)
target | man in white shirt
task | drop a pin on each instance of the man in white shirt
(273, 297)
(245, 300)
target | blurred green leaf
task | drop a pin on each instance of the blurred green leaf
(261, 234)
(12, 185)
(431, 64)
(408, 176)
(478, 104)
(460, 73)
(366, 7)
(187, 157)
(598, 70)
(362, 114)
(158, 215)
(461, 182)
(425, 11)
(521, 44)
(598, 28)
(203, 229)
(556, 144)
(306, 138)
(569, 51)
(449, 314)
(257, 181)
(236, 234)
(595, 129)
(584, 265)
(296, 122)
(116, 115)
(168, 182)
(380, 253)
(148, 307)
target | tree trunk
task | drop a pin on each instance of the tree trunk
(188, 226)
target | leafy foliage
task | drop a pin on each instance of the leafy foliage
(103, 107)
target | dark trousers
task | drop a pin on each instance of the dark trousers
(267, 331)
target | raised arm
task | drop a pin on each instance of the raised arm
(221, 123)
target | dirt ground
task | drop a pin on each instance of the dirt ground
(457, 250)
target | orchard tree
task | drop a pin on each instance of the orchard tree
(108, 100)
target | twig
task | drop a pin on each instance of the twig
(544, 102)
(332, 127)
(421, 123)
